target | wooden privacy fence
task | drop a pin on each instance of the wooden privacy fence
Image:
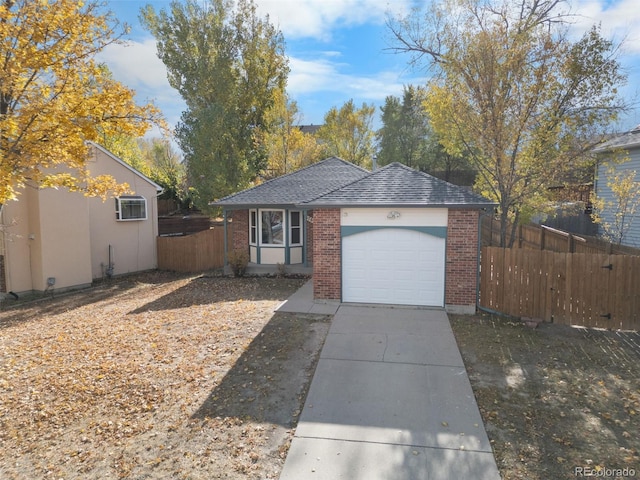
(590, 290)
(192, 253)
(541, 237)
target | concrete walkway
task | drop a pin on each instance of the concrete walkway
(390, 399)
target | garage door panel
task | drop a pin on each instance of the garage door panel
(395, 266)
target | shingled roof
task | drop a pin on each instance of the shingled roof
(627, 140)
(297, 187)
(399, 185)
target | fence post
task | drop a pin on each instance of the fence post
(570, 243)
(542, 237)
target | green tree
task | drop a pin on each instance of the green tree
(165, 168)
(227, 65)
(514, 93)
(347, 133)
(54, 96)
(405, 132)
(287, 147)
(406, 136)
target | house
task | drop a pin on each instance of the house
(392, 236)
(625, 145)
(60, 239)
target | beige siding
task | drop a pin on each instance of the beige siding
(133, 242)
(64, 235)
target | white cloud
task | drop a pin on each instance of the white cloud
(323, 76)
(318, 18)
(136, 65)
(619, 19)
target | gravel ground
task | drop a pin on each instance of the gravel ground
(156, 375)
(557, 402)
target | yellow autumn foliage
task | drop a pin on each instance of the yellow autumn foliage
(55, 96)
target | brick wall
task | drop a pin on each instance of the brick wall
(326, 254)
(462, 261)
(240, 230)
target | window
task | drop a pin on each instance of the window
(295, 227)
(253, 227)
(131, 208)
(271, 223)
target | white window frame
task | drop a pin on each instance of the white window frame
(299, 227)
(253, 226)
(284, 227)
(139, 199)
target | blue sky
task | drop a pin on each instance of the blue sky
(336, 51)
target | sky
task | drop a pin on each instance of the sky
(339, 50)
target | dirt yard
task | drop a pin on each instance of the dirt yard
(557, 402)
(155, 376)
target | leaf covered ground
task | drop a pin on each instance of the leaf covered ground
(155, 376)
(557, 402)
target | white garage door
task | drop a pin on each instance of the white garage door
(393, 266)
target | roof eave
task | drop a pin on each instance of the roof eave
(399, 205)
(247, 206)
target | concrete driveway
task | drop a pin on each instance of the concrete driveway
(390, 399)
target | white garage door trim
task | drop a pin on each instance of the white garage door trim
(394, 265)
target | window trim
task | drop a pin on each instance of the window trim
(292, 227)
(284, 227)
(253, 227)
(136, 198)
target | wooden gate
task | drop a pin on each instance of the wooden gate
(590, 290)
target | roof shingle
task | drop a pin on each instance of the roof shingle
(399, 185)
(297, 187)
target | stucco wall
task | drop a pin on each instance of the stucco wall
(47, 236)
(65, 235)
(133, 242)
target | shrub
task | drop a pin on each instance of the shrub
(238, 261)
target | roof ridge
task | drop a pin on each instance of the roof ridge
(343, 186)
(332, 157)
(119, 160)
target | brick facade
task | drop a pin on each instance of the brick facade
(462, 260)
(327, 264)
(240, 226)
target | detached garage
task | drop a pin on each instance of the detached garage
(393, 236)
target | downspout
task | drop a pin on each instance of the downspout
(226, 246)
(485, 214)
(304, 238)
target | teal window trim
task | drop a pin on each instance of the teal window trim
(345, 231)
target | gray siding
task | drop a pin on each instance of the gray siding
(632, 237)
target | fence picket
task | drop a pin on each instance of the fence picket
(568, 288)
(192, 253)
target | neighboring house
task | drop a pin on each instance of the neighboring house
(392, 236)
(59, 239)
(627, 144)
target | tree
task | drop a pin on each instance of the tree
(405, 132)
(54, 96)
(227, 65)
(287, 147)
(166, 169)
(347, 133)
(514, 93)
(407, 137)
(616, 215)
